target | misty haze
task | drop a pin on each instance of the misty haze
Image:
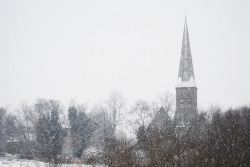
(124, 83)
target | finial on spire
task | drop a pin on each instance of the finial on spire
(185, 24)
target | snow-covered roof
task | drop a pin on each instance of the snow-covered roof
(181, 84)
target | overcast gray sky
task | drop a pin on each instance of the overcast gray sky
(84, 49)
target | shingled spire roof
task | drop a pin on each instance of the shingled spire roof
(186, 72)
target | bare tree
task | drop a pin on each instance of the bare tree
(115, 107)
(142, 112)
(100, 122)
(27, 119)
(167, 101)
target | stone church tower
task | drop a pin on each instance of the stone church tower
(186, 90)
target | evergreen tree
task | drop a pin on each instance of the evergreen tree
(49, 132)
(2, 130)
(56, 132)
(80, 130)
(142, 138)
(72, 115)
(42, 138)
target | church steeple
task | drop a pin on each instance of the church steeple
(186, 90)
(186, 71)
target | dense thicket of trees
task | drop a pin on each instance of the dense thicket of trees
(214, 138)
(221, 139)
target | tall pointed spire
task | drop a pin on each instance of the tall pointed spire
(186, 90)
(186, 71)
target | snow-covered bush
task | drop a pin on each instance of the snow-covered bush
(141, 158)
(92, 155)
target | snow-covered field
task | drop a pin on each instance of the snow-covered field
(7, 162)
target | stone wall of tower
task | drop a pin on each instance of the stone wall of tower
(186, 104)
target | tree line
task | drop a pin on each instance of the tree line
(48, 131)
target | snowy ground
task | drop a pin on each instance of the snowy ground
(10, 162)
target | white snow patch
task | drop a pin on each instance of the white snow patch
(6, 162)
(190, 83)
(92, 152)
